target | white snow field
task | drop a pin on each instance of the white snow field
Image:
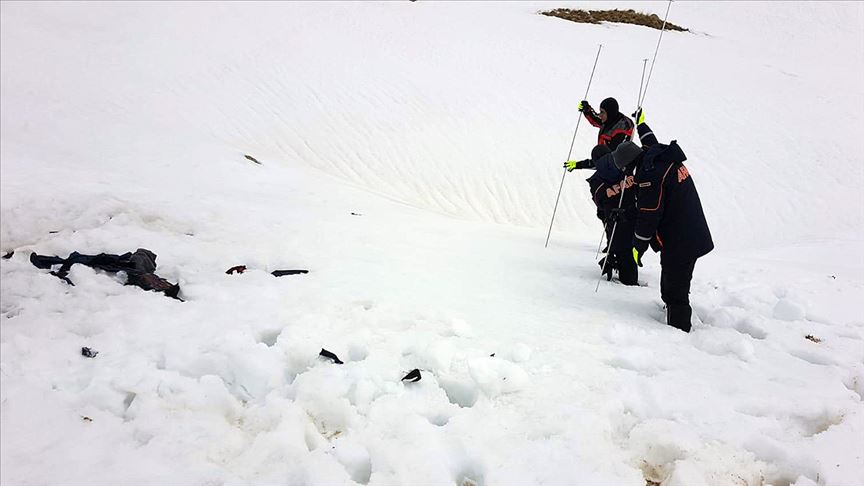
(442, 127)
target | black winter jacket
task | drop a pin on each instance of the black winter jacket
(614, 131)
(607, 196)
(670, 215)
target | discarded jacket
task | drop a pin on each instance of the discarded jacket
(139, 267)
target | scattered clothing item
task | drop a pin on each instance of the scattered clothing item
(139, 267)
(608, 265)
(88, 353)
(413, 376)
(275, 273)
(327, 354)
(253, 159)
(813, 338)
(280, 273)
(8, 255)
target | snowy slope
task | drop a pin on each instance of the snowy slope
(443, 126)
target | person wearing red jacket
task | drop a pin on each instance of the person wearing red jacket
(614, 126)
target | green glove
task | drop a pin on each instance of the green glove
(583, 105)
(570, 165)
(637, 257)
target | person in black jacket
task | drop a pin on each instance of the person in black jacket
(612, 193)
(614, 126)
(613, 206)
(615, 197)
(669, 219)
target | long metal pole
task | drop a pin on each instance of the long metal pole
(605, 224)
(641, 80)
(641, 100)
(570, 152)
(612, 236)
(663, 29)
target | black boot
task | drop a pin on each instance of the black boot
(678, 316)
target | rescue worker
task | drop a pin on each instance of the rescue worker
(614, 126)
(669, 218)
(605, 186)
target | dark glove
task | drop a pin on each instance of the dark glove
(638, 116)
(583, 105)
(601, 217)
(617, 215)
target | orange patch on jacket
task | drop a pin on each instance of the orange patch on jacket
(616, 189)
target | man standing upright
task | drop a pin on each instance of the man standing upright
(614, 126)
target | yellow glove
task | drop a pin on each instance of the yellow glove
(570, 165)
(639, 116)
(583, 105)
(636, 257)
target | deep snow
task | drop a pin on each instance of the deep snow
(443, 126)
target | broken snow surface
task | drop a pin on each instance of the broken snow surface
(442, 127)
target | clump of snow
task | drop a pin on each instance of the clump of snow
(788, 310)
(461, 328)
(496, 376)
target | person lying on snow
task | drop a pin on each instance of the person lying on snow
(614, 126)
(669, 218)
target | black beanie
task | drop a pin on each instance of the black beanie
(625, 153)
(599, 151)
(611, 106)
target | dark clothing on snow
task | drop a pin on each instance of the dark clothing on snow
(139, 267)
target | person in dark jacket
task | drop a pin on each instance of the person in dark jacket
(605, 188)
(616, 202)
(669, 219)
(614, 126)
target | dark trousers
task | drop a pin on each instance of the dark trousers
(675, 292)
(622, 249)
(628, 272)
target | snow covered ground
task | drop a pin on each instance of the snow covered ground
(411, 153)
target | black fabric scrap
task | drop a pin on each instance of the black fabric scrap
(88, 353)
(413, 376)
(329, 355)
(280, 273)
